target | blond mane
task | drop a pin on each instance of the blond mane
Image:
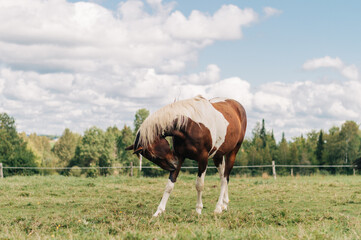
(171, 117)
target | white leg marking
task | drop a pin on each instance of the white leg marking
(200, 188)
(219, 206)
(168, 189)
(225, 199)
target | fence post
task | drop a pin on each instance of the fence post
(274, 169)
(291, 172)
(131, 169)
(1, 171)
(354, 171)
(140, 162)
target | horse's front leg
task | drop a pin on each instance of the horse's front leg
(168, 189)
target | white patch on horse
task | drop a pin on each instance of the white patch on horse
(223, 196)
(198, 109)
(200, 188)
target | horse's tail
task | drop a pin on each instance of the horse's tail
(357, 163)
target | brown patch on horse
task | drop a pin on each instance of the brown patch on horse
(236, 116)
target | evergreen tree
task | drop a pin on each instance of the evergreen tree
(319, 149)
(263, 134)
(273, 148)
(283, 151)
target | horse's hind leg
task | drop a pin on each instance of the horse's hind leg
(231, 158)
(225, 198)
(202, 168)
(224, 170)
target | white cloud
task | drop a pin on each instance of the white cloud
(226, 23)
(235, 88)
(86, 37)
(79, 65)
(211, 75)
(293, 108)
(323, 62)
(350, 72)
(298, 107)
(269, 11)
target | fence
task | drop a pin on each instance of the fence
(131, 167)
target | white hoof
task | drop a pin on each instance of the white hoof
(199, 211)
(224, 207)
(199, 208)
(158, 212)
(218, 210)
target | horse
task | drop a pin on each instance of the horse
(200, 129)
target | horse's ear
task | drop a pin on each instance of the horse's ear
(138, 150)
(130, 147)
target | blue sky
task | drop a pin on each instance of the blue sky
(275, 48)
(77, 64)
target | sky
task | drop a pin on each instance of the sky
(77, 64)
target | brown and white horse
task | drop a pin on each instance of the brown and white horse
(200, 129)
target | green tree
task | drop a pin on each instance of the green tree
(126, 139)
(93, 150)
(319, 149)
(333, 152)
(140, 116)
(283, 151)
(41, 147)
(310, 146)
(349, 136)
(272, 145)
(263, 134)
(65, 146)
(13, 149)
(294, 155)
(111, 154)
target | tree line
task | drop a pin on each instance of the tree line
(340, 145)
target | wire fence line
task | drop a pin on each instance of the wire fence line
(185, 167)
(131, 167)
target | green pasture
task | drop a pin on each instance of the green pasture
(57, 207)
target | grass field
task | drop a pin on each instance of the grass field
(57, 207)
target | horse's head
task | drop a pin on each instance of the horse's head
(158, 152)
